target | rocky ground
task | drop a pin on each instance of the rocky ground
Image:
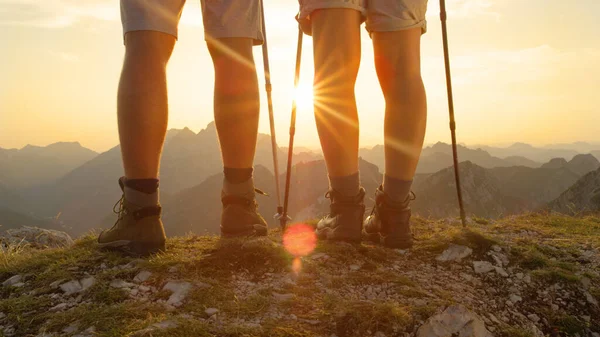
(533, 275)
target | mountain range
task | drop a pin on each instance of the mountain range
(67, 186)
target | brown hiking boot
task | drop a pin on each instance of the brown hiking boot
(240, 217)
(389, 223)
(138, 231)
(344, 221)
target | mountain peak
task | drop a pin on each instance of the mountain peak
(555, 163)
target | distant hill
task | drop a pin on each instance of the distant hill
(582, 197)
(35, 165)
(534, 187)
(439, 156)
(10, 219)
(306, 201)
(501, 190)
(201, 204)
(583, 163)
(531, 152)
(85, 196)
(482, 194)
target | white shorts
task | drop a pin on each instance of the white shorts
(380, 15)
(222, 18)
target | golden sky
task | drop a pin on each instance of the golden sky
(523, 70)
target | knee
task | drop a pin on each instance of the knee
(149, 47)
(232, 55)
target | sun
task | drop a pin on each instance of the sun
(304, 95)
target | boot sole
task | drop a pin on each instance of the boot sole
(134, 248)
(389, 241)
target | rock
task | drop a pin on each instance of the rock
(455, 253)
(39, 237)
(9, 331)
(173, 269)
(19, 285)
(71, 287)
(12, 281)
(59, 307)
(283, 297)
(211, 311)
(142, 276)
(457, 321)
(595, 334)
(354, 267)
(2, 315)
(121, 284)
(586, 282)
(534, 318)
(318, 256)
(496, 248)
(71, 328)
(535, 331)
(144, 288)
(482, 267)
(591, 300)
(311, 321)
(165, 325)
(494, 318)
(180, 291)
(515, 298)
(527, 279)
(293, 317)
(134, 292)
(87, 282)
(500, 271)
(56, 284)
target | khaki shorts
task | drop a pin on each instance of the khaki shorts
(222, 18)
(380, 15)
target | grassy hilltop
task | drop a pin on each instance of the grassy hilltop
(531, 275)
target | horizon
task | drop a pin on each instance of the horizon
(554, 146)
(517, 76)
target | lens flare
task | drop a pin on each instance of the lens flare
(299, 240)
(296, 265)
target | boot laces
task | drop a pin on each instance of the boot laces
(120, 210)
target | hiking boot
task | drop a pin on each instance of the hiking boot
(389, 222)
(137, 232)
(344, 221)
(240, 217)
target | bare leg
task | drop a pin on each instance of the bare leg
(398, 64)
(142, 104)
(336, 36)
(236, 100)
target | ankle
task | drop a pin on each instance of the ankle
(140, 193)
(346, 186)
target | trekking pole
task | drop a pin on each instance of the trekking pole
(451, 110)
(288, 176)
(268, 88)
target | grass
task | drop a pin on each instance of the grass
(515, 332)
(357, 318)
(568, 324)
(325, 289)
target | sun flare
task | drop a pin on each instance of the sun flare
(304, 95)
